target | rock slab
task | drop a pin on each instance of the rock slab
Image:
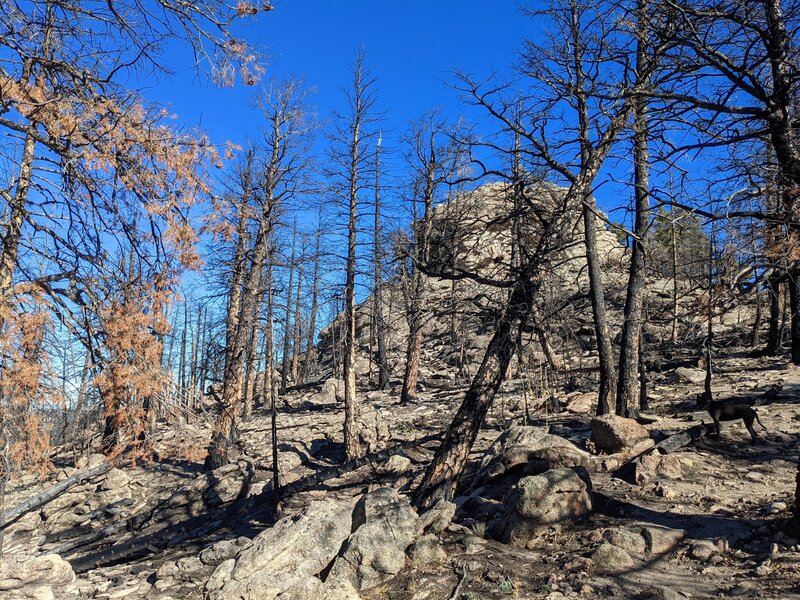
(539, 501)
(611, 433)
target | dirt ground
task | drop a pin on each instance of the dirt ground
(730, 493)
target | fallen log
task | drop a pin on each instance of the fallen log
(311, 481)
(43, 497)
(682, 438)
(156, 541)
(627, 472)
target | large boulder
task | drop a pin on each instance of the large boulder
(535, 503)
(332, 392)
(611, 433)
(527, 450)
(384, 526)
(285, 556)
(687, 375)
(46, 576)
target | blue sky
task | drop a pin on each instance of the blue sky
(412, 48)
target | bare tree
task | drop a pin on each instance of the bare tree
(430, 156)
(352, 161)
(284, 169)
(630, 377)
(379, 323)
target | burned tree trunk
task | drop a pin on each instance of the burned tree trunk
(774, 331)
(379, 323)
(442, 475)
(287, 324)
(629, 380)
(605, 351)
(793, 283)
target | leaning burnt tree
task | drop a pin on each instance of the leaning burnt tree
(549, 73)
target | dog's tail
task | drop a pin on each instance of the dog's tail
(759, 421)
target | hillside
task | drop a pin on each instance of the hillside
(702, 521)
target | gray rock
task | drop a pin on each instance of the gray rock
(89, 462)
(427, 550)
(190, 568)
(385, 526)
(311, 587)
(219, 577)
(776, 507)
(222, 551)
(24, 573)
(612, 433)
(654, 466)
(660, 540)
(396, 465)
(611, 559)
(631, 541)
(228, 483)
(536, 502)
(702, 550)
(687, 375)
(115, 479)
(281, 557)
(531, 450)
(742, 588)
(373, 431)
(438, 518)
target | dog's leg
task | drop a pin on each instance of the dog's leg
(748, 422)
(716, 425)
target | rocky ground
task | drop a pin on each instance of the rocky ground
(539, 512)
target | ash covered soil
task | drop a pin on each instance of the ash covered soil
(705, 521)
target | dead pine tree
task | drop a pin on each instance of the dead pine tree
(285, 144)
(630, 377)
(351, 162)
(434, 156)
(297, 335)
(708, 342)
(379, 324)
(286, 359)
(314, 309)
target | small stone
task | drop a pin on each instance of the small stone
(702, 550)
(776, 507)
(762, 570)
(665, 593)
(742, 588)
(396, 465)
(660, 540)
(774, 550)
(628, 540)
(596, 535)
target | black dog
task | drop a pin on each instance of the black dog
(730, 411)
